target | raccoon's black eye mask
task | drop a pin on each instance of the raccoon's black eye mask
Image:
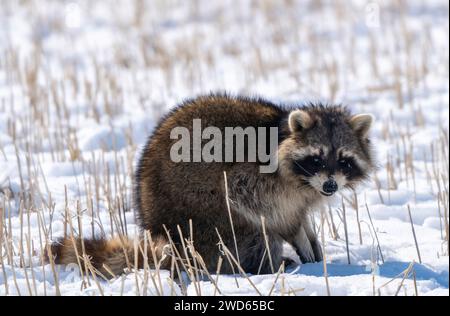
(350, 168)
(311, 165)
(308, 166)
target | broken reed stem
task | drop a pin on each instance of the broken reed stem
(21, 249)
(346, 231)
(333, 226)
(145, 267)
(75, 248)
(414, 234)
(190, 243)
(280, 270)
(446, 225)
(93, 273)
(122, 239)
(374, 267)
(30, 255)
(219, 266)
(405, 275)
(148, 237)
(229, 215)
(42, 256)
(9, 249)
(204, 269)
(266, 242)
(357, 217)
(227, 251)
(55, 275)
(190, 268)
(176, 255)
(183, 284)
(375, 232)
(2, 233)
(416, 291)
(441, 226)
(81, 238)
(324, 252)
(47, 250)
(136, 264)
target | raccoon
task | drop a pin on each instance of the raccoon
(321, 149)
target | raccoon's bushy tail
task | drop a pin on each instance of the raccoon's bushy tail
(108, 256)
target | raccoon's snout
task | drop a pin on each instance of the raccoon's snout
(329, 187)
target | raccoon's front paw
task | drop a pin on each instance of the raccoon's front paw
(306, 255)
(317, 249)
(312, 253)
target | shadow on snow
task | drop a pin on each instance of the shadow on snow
(387, 269)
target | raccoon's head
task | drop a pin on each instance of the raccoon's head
(327, 148)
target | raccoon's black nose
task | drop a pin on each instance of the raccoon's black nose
(330, 186)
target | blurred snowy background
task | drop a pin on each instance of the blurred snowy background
(82, 84)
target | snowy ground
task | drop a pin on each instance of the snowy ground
(83, 83)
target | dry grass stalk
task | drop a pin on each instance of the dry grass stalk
(346, 231)
(375, 233)
(324, 251)
(414, 234)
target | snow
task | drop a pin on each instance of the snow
(107, 71)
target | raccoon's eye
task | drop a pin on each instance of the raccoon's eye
(350, 168)
(346, 164)
(308, 166)
(318, 163)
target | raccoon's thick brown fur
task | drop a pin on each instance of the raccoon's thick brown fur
(169, 194)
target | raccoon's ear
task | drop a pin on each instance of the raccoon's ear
(299, 120)
(361, 123)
